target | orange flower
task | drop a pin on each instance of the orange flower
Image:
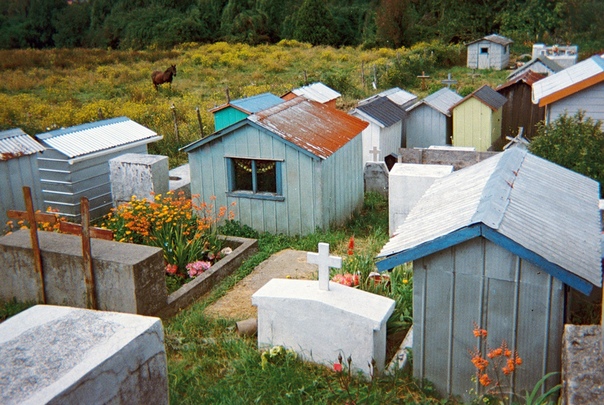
(351, 246)
(495, 353)
(479, 362)
(484, 380)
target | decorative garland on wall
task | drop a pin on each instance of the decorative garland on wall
(261, 166)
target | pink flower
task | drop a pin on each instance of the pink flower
(196, 268)
(171, 269)
(346, 279)
(337, 367)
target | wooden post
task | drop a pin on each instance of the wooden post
(363, 73)
(423, 77)
(87, 255)
(305, 77)
(228, 95)
(199, 121)
(173, 108)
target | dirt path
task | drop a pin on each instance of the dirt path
(237, 303)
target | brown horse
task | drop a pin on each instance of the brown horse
(163, 77)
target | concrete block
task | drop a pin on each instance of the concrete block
(61, 355)
(321, 324)
(408, 183)
(138, 174)
(129, 278)
(180, 180)
(582, 365)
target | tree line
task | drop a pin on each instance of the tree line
(143, 24)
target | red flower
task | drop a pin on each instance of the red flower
(171, 269)
(337, 367)
(351, 246)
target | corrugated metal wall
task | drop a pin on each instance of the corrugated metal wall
(14, 175)
(317, 193)
(590, 100)
(475, 125)
(478, 281)
(64, 184)
(427, 126)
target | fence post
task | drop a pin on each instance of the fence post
(91, 301)
(35, 243)
(199, 120)
(173, 108)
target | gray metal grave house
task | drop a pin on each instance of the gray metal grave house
(76, 163)
(500, 244)
(18, 168)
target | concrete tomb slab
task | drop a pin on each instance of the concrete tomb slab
(320, 324)
(408, 183)
(63, 355)
(375, 175)
(138, 174)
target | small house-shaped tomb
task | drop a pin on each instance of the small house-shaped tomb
(429, 121)
(490, 52)
(316, 92)
(494, 246)
(576, 88)
(540, 65)
(18, 169)
(76, 163)
(289, 169)
(563, 55)
(236, 110)
(384, 131)
(520, 111)
(477, 119)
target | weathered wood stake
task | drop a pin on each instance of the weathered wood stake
(199, 121)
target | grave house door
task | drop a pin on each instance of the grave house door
(483, 57)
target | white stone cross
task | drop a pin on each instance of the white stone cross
(376, 153)
(324, 261)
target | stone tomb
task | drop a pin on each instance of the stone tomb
(138, 174)
(408, 183)
(321, 319)
(62, 355)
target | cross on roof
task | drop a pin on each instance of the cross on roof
(449, 81)
(376, 154)
(324, 261)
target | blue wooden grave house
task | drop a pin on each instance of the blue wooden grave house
(500, 244)
(288, 169)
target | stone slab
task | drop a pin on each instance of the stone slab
(320, 325)
(375, 175)
(138, 174)
(582, 365)
(180, 180)
(62, 355)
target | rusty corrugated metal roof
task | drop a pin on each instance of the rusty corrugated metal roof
(310, 125)
(15, 143)
(529, 77)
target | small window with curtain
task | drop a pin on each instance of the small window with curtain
(255, 178)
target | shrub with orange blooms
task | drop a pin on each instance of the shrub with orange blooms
(43, 226)
(498, 360)
(186, 231)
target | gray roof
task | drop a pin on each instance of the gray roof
(487, 96)
(441, 100)
(498, 39)
(15, 143)
(97, 136)
(383, 111)
(544, 60)
(535, 205)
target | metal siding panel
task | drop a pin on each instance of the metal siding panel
(437, 332)
(419, 317)
(590, 100)
(293, 220)
(307, 203)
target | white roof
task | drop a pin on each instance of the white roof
(317, 92)
(569, 80)
(97, 136)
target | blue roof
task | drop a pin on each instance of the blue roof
(542, 212)
(257, 103)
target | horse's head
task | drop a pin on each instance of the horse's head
(172, 69)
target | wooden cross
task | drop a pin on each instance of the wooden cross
(324, 261)
(376, 154)
(423, 77)
(84, 230)
(449, 81)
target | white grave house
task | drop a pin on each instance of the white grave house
(18, 168)
(75, 163)
(322, 320)
(498, 245)
(62, 355)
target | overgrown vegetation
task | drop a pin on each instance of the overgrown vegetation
(144, 24)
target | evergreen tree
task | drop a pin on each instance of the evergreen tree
(314, 23)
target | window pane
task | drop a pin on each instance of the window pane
(266, 176)
(242, 169)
